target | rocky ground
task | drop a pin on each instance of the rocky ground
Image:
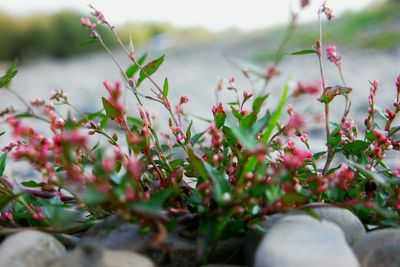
(335, 238)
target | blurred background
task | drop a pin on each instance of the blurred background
(200, 39)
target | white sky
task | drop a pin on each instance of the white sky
(213, 14)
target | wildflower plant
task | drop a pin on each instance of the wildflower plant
(250, 162)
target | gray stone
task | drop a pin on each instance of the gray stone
(302, 241)
(379, 248)
(115, 234)
(351, 226)
(94, 256)
(255, 234)
(69, 241)
(29, 249)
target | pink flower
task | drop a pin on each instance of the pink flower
(304, 3)
(327, 11)
(216, 137)
(333, 56)
(296, 122)
(87, 23)
(307, 89)
(184, 99)
(344, 177)
(295, 157)
(99, 15)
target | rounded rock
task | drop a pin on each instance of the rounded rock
(302, 241)
(379, 248)
(351, 226)
(29, 248)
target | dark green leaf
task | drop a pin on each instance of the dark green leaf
(5, 80)
(219, 119)
(165, 88)
(32, 184)
(258, 102)
(153, 206)
(276, 115)
(304, 52)
(3, 160)
(134, 68)
(111, 112)
(150, 69)
(196, 138)
(356, 147)
(221, 183)
(318, 155)
(88, 42)
(2, 133)
(242, 135)
(94, 196)
(189, 131)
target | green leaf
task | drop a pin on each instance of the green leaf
(5, 80)
(153, 206)
(260, 125)
(219, 119)
(221, 183)
(32, 184)
(189, 131)
(196, 138)
(197, 165)
(369, 174)
(150, 69)
(3, 160)
(356, 147)
(165, 88)
(276, 115)
(242, 135)
(134, 68)
(88, 42)
(94, 196)
(2, 133)
(6, 199)
(111, 112)
(318, 155)
(304, 52)
(258, 102)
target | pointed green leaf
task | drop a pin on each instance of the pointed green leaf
(150, 69)
(276, 115)
(134, 68)
(303, 52)
(165, 88)
(110, 111)
(3, 160)
(5, 80)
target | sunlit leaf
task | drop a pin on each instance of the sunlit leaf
(3, 160)
(276, 115)
(134, 68)
(304, 52)
(150, 69)
(5, 80)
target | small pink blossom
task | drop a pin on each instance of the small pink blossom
(333, 56)
(184, 99)
(87, 23)
(304, 3)
(307, 89)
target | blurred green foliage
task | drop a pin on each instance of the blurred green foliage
(376, 27)
(61, 35)
(58, 35)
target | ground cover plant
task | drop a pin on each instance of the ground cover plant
(253, 160)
